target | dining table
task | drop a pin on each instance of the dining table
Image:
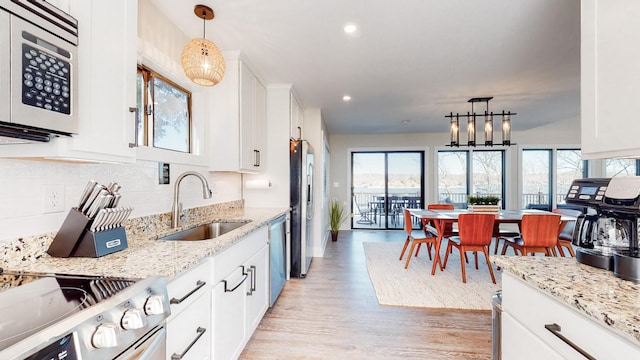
(440, 218)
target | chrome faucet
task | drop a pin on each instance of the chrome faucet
(177, 205)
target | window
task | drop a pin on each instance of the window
(536, 179)
(622, 167)
(569, 167)
(539, 169)
(462, 173)
(383, 183)
(452, 177)
(164, 116)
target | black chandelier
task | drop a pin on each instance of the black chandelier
(454, 129)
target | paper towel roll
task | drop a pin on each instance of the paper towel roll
(258, 184)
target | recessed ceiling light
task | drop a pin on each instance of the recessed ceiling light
(406, 121)
(350, 28)
(346, 98)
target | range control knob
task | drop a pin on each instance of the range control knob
(106, 335)
(133, 319)
(154, 305)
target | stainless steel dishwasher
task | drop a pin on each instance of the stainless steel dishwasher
(278, 255)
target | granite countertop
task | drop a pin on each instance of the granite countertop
(596, 293)
(145, 255)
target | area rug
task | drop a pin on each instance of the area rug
(416, 287)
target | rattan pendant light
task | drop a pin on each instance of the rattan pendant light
(202, 61)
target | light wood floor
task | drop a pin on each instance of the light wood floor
(333, 314)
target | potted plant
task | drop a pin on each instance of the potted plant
(486, 203)
(337, 216)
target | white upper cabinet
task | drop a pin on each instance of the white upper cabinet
(610, 77)
(238, 108)
(107, 33)
(296, 119)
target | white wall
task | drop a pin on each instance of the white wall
(561, 133)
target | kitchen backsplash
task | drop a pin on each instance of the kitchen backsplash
(26, 185)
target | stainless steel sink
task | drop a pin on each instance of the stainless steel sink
(205, 231)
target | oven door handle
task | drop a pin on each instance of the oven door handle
(154, 348)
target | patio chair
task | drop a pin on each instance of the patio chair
(367, 214)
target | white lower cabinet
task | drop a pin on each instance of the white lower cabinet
(189, 326)
(240, 295)
(258, 294)
(228, 315)
(217, 305)
(538, 326)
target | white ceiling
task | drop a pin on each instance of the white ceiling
(413, 60)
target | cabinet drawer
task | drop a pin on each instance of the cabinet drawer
(190, 333)
(184, 289)
(228, 260)
(520, 343)
(535, 309)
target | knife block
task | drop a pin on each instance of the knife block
(74, 239)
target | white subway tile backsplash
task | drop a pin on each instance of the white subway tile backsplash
(22, 197)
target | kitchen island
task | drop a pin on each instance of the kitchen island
(595, 310)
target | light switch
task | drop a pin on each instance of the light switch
(163, 173)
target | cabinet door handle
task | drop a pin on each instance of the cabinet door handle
(135, 122)
(253, 278)
(253, 270)
(200, 332)
(299, 133)
(555, 330)
(256, 158)
(199, 284)
(244, 278)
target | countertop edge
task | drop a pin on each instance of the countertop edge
(145, 255)
(597, 294)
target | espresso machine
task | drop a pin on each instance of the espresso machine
(607, 236)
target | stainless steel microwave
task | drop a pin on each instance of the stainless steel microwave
(38, 67)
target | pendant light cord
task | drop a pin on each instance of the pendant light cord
(204, 24)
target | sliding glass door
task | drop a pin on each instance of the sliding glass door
(382, 184)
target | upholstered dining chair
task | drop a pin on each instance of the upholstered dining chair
(476, 231)
(539, 235)
(566, 234)
(415, 237)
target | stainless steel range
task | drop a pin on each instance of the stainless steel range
(83, 317)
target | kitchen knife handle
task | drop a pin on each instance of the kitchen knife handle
(135, 122)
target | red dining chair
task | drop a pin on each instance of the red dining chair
(566, 233)
(476, 231)
(415, 237)
(429, 226)
(539, 234)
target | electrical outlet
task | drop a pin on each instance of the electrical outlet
(53, 195)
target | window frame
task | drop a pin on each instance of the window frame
(148, 109)
(553, 170)
(504, 163)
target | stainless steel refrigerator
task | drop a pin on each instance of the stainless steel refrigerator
(301, 160)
